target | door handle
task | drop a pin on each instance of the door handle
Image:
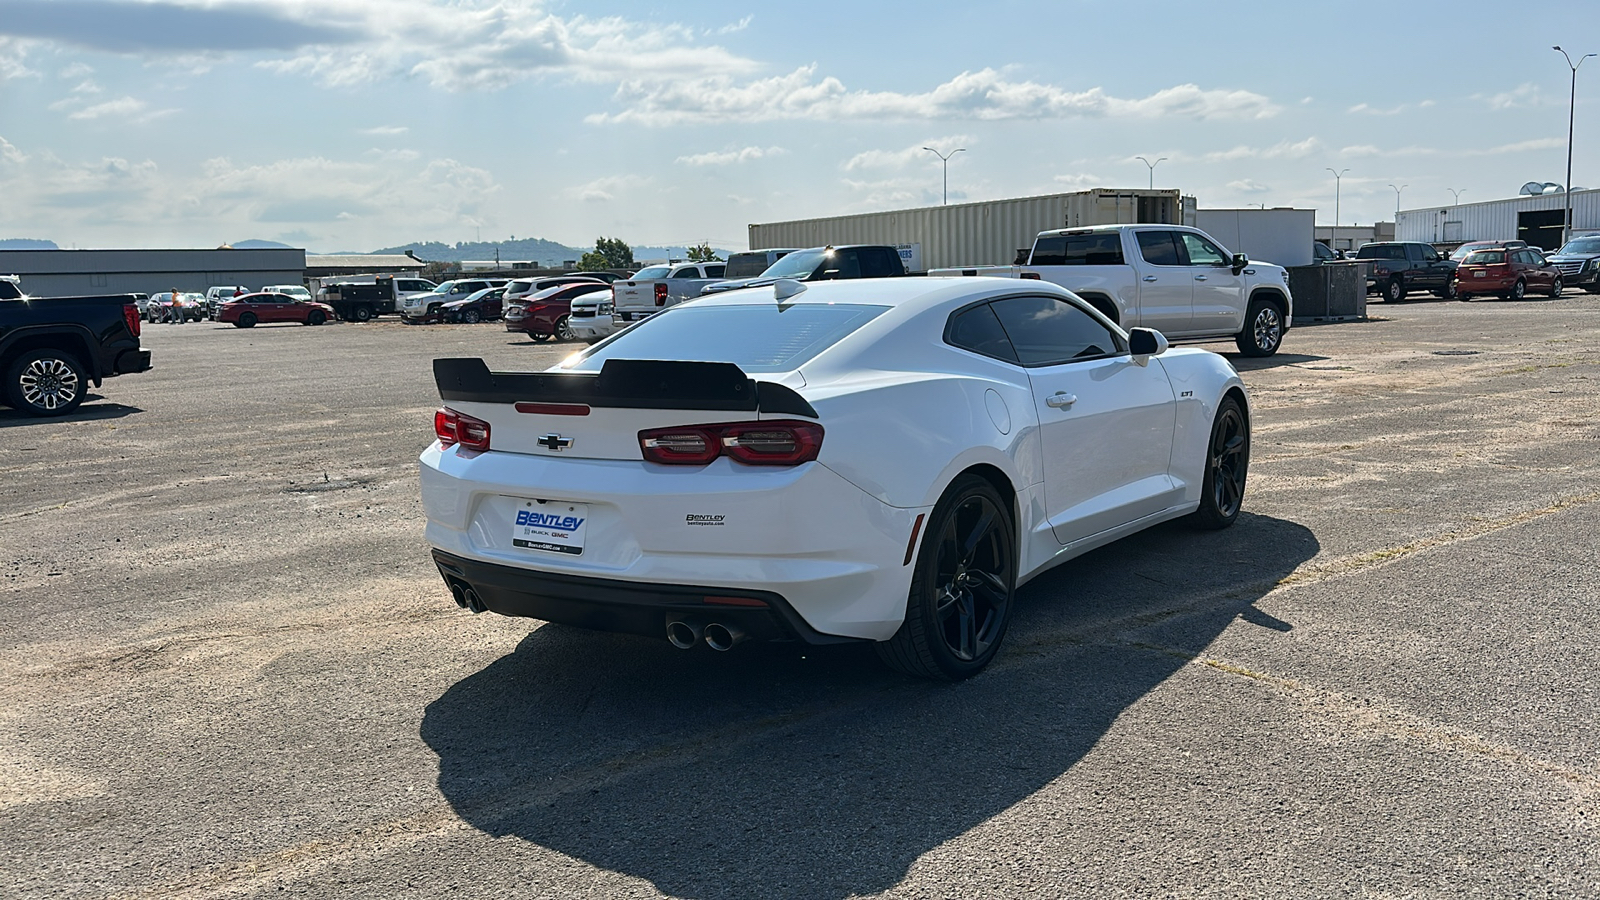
(1061, 400)
(1199, 278)
(1149, 278)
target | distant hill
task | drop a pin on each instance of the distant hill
(548, 253)
(254, 244)
(26, 244)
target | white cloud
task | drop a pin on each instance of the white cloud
(1522, 95)
(897, 193)
(1281, 150)
(1547, 143)
(386, 130)
(1249, 186)
(401, 155)
(916, 153)
(10, 154)
(77, 70)
(1080, 180)
(981, 95)
(124, 107)
(14, 58)
(740, 25)
(604, 190)
(725, 157)
(1366, 109)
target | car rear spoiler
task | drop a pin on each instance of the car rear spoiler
(623, 383)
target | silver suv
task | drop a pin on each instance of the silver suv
(420, 307)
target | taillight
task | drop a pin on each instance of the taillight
(1032, 275)
(130, 314)
(780, 443)
(458, 428)
(661, 294)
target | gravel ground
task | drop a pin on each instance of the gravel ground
(228, 668)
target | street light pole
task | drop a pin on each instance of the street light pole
(946, 159)
(1572, 109)
(1397, 191)
(1334, 239)
(1456, 194)
(1152, 166)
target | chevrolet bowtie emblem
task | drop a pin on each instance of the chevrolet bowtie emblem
(555, 442)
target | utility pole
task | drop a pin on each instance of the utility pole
(1337, 176)
(1456, 194)
(945, 158)
(1572, 109)
(1152, 166)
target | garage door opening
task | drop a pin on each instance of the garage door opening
(1541, 227)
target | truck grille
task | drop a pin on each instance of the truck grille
(583, 314)
(1571, 268)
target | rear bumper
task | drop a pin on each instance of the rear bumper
(608, 605)
(1489, 285)
(131, 361)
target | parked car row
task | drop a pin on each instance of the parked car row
(1510, 269)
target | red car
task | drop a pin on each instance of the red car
(543, 315)
(1510, 272)
(246, 311)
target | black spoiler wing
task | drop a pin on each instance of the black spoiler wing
(623, 383)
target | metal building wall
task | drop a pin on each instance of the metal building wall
(1491, 220)
(63, 273)
(971, 234)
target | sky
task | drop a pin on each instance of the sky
(358, 124)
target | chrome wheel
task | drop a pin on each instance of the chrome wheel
(1556, 286)
(1519, 290)
(564, 330)
(49, 383)
(1269, 328)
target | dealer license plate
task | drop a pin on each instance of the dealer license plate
(552, 526)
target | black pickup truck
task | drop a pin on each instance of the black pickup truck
(1396, 268)
(53, 348)
(362, 301)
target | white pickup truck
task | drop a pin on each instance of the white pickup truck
(1177, 280)
(655, 287)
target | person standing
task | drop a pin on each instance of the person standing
(177, 308)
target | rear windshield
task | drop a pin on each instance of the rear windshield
(1381, 251)
(1485, 257)
(1098, 249)
(1463, 251)
(796, 265)
(652, 272)
(746, 265)
(756, 338)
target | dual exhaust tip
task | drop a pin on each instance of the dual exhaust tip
(466, 597)
(686, 633)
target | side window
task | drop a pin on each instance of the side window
(879, 263)
(1201, 251)
(1429, 254)
(1047, 331)
(685, 272)
(1158, 248)
(978, 330)
(715, 271)
(1396, 251)
(848, 263)
(1050, 251)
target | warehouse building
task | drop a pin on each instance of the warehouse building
(66, 273)
(1537, 219)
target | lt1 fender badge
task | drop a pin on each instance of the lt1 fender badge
(555, 442)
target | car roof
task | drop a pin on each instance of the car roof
(908, 292)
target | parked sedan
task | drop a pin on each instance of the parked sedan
(1510, 273)
(591, 319)
(548, 313)
(246, 311)
(476, 307)
(878, 460)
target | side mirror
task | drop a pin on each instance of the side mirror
(1239, 262)
(1144, 343)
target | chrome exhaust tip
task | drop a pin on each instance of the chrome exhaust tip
(683, 633)
(722, 637)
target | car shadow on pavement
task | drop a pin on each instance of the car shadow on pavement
(775, 770)
(1242, 363)
(88, 412)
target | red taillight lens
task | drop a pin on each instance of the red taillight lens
(1032, 275)
(780, 443)
(661, 294)
(130, 314)
(458, 428)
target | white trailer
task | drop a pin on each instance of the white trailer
(1280, 236)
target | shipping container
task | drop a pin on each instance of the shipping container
(974, 234)
(1282, 237)
(1536, 219)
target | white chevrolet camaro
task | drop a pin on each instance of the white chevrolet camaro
(879, 460)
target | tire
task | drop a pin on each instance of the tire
(317, 317)
(1394, 291)
(472, 317)
(962, 589)
(1227, 466)
(1450, 291)
(1263, 329)
(247, 320)
(539, 337)
(1556, 287)
(1518, 290)
(46, 382)
(362, 313)
(564, 330)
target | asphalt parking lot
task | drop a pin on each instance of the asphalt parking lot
(228, 667)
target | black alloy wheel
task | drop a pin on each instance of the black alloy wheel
(471, 317)
(564, 330)
(962, 588)
(45, 383)
(247, 320)
(1556, 286)
(1227, 466)
(1394, 291)
(1518, 290)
